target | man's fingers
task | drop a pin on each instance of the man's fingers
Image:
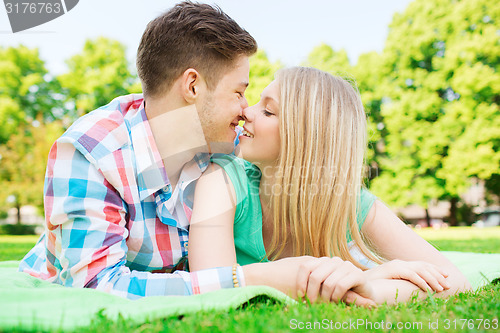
(348, 277)
(305, 270)
(316, 279)
(304, 275)
(331, 287)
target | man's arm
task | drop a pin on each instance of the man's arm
(86, 218)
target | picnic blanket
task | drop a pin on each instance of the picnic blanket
(27, 303)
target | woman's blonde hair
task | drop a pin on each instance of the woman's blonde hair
(320, 166)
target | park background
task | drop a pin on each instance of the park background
(430, 86)
(428, 73)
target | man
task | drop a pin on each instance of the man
(119, 181)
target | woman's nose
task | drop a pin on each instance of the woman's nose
(248, 114)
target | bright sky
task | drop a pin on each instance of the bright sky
(286, 29)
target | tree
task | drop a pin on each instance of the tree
(22, 164)
(27, 91)
(323, 57)
(29, 99)
(97, 75)
(370, 84)
(440, 101)
(261, 74)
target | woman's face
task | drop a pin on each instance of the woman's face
(260, 140)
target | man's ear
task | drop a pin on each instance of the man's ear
(192, 83)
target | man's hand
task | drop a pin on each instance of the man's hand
(331, 279)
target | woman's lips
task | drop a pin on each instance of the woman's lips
(246, 133)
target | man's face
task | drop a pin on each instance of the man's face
(221, 109)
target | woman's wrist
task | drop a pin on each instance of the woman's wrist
(280, 274)
(253, 274)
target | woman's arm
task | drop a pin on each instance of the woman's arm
(394, 240)
(211, 239)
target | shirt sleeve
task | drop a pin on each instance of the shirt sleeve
(365, 203)
(87, 232)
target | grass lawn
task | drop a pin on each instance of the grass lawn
(467, 312)
(464, 239)
(15, 247)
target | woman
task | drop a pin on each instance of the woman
(303, 197)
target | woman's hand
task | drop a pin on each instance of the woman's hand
(331, 279)
(394, 240)
(424, 275)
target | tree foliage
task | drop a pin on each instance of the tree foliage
(261, 74)
(432, 100)
(22, 164)
(325, 58)
(97, 75)
(440, 100)
(27, 91)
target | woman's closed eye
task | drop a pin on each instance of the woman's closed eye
(267, 113)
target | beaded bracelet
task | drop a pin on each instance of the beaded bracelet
(236, 283)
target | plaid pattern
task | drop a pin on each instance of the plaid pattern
(111, 215)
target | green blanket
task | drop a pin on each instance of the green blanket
(28, 303)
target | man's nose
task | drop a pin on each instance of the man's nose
(244, 103)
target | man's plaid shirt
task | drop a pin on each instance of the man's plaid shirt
(113, 222)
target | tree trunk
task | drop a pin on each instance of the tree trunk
(427, 217)
(18, 207)
(453, 212)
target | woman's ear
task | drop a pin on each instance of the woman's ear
(192, 84)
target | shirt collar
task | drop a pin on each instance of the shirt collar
(151, 174)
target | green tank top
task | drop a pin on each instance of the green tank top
(248, 240)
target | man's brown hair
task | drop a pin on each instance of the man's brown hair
(190, 35)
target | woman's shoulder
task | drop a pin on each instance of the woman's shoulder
(244, 178)
(227, 160)
(236, 167)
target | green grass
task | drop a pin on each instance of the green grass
(269, 317)
(461, 313)
(464, 239)
(15, 247)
